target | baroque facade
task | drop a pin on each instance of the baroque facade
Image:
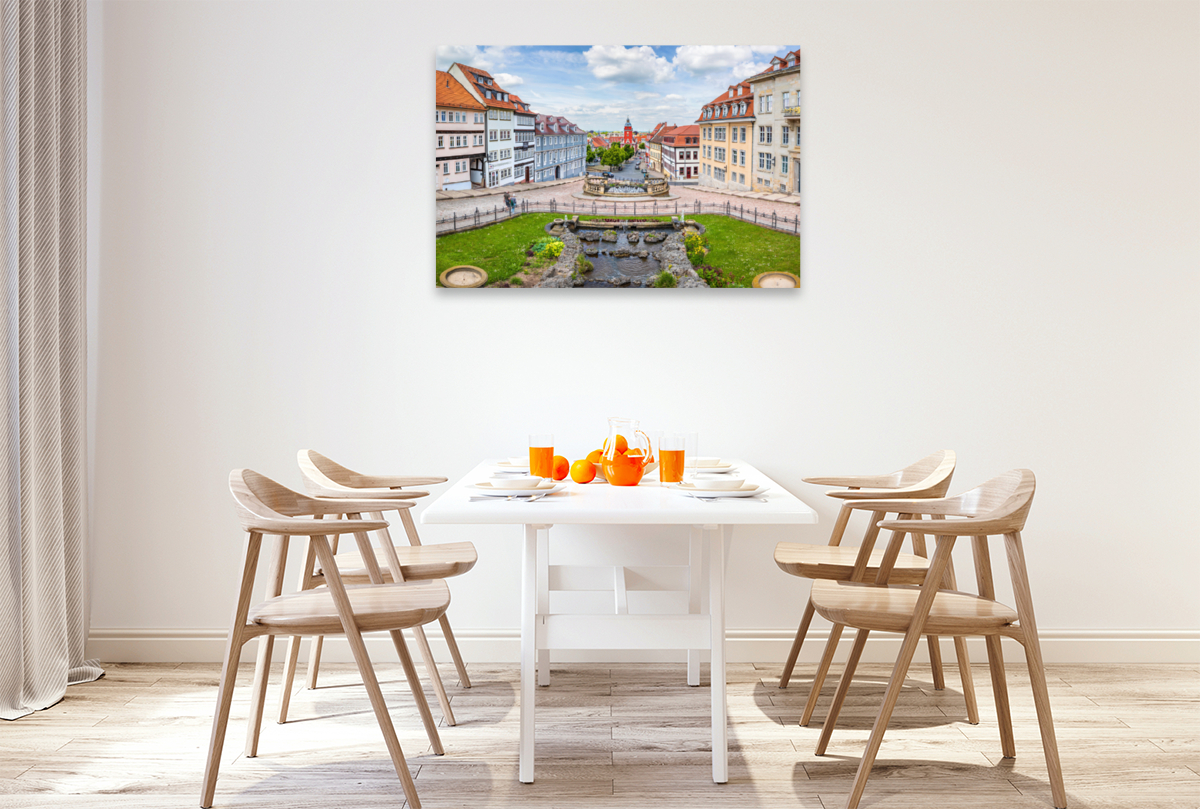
(776, 163)
(725, 125)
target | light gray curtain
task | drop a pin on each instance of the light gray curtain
(43, 496)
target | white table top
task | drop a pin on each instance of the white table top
(649, 503)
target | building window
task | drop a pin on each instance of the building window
(720, 133)
(439, 141)
(783, 164)
(491, 178)
(764, 134)
(492, 114)
(783, 135)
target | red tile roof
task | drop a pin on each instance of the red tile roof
(450, 93)
(483, 89)
(555, 125)
(676, 136)
(725, 105)
(779, 63)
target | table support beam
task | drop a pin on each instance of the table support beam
(695, 570)
(716, 607)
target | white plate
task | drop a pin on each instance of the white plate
(708, 465)
(509, 466)
(709, 470)
(498, 489)
(747, 490)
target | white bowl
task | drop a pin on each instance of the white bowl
(519, 482)
(723, 483)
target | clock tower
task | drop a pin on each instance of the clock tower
(628, 139)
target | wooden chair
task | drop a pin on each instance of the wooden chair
(928, 477)
(998, 507)
(405, 563)
(264, 507)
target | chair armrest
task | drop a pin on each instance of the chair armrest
(878, 494)
(949, 528)
(370, 494)
(915, 505)
(308, 528)
(398, 481)
(855, 481)
(348, 505)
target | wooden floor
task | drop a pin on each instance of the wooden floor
(610, 736)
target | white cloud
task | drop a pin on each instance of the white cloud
(701, 59)
(673, 96)
(630, 65)
(488, 58)
(507, 80)
(642, 96)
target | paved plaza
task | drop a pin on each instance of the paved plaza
(562, 191)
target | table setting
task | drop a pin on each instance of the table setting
(631, 479)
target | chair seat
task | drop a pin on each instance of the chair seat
(837, 563)
(889, 608)
(417, 562)
(376, 607)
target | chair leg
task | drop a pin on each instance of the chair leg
(314, 661)
(258, 693)
(1037, 669)
(414, 684)
(367, 671)
(435, 677)
(790, 663)
(835, 634)
(935, 662)
(289, 676)
(860, 643)
(1008, 742)
(968, 682)
(912, 638)
(233, 651)
(262, 666)
(464, 679)
(220, 722)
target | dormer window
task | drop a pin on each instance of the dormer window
(739, 90)
(792, 62)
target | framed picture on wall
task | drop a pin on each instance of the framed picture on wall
(617, 166)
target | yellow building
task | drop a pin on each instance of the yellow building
(726, 132)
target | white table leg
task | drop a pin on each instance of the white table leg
(543, 599)
(695, 564)
(528, 650)
(716, 607)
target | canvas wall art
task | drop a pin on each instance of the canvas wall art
(635, 167)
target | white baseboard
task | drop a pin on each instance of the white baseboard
(742, 646)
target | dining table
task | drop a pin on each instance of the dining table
(711, 519)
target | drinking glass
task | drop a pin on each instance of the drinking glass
(671, 455)
(691, 452)
(541, 455)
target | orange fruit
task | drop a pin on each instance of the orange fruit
(583, 471)
(623, 470)
(595, 455)
(560, 466)
(634, 451)
(622, 445)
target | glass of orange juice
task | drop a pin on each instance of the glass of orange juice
(541, 455)
(670, 457)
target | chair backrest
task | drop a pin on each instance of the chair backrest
(935, 468)
(999, 506)
(1003, 501)
(928, 477)
(260, 500)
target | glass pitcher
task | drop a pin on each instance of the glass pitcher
(628, 453)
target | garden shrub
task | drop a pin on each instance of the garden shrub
(696, 246)
(665, 279)
(713, 276)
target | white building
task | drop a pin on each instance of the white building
(524, 146)
(561, 149)
(496, 169)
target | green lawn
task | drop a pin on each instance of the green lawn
(499, 249)
(742, 249)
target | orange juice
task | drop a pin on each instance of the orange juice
(541, 461)
(670, 465)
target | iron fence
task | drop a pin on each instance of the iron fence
(482, 217)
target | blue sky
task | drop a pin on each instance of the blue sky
(597, 86)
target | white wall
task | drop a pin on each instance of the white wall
(1000, 257)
